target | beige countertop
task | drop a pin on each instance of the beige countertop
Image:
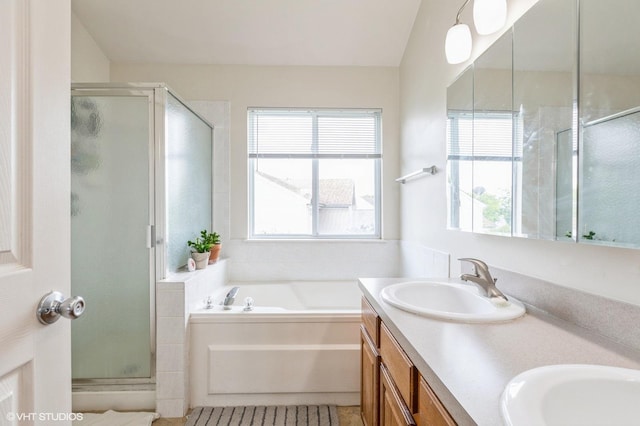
(468, 365)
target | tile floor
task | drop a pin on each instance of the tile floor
(349, 416)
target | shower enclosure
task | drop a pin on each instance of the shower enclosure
(141, 186)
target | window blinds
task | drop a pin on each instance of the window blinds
(483, 136)
(291, 133)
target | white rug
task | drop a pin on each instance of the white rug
(114, 418)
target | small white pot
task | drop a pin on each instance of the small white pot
(202, 259)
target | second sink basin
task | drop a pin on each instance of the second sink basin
(450, 301)
(573, 395)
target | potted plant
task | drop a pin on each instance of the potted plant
(213, 239)
(200, 250)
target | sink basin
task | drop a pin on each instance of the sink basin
(450, 301)
(574, 394)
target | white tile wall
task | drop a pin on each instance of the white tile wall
(166, 305)
(170, 386)
(170, 358)
(421, 261)
(317, 260)
(176, 297)
(168, 407)
(170, 330)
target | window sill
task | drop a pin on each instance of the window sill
(317, 240)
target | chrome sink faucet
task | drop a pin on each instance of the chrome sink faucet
(482, 277)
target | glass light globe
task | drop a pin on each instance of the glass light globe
(489, 16)
(457, 45)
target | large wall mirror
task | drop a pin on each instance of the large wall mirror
(609, 110)
(524, 157)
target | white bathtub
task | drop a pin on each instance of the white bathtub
(299, 345)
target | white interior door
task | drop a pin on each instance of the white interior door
(35, 360)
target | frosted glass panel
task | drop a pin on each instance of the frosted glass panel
(110, 261)
(189, 182)
(565, 193)
(609, 196)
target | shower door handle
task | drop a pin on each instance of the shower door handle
(53, 305)
(151, 236)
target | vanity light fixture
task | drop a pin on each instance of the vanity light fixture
(488, 15)
(457, 45)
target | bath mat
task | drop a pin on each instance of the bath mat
(300, 415)
(114, 418)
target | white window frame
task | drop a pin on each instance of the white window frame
(315, 158)
(468, 154)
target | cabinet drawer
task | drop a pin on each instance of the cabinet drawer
(393, 410)
(399, 365)
(371, 322)
(430, 411)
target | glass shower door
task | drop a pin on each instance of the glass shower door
(111, 211)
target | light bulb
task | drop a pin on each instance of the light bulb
(489, 16)
(457, 45)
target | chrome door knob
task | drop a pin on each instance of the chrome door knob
(53, 305)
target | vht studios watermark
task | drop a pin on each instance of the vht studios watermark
(52, 417)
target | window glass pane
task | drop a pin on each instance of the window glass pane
(492, 197)
(480, 167)
(460, 192)
(282, 196)
(347, 197)
(314, 172)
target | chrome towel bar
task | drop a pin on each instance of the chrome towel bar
(424, 171)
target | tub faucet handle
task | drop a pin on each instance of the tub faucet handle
(248, 304)
(208, 302)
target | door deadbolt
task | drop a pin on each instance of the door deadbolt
(53, 305)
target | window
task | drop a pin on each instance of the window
(482, 163)
(314, 173)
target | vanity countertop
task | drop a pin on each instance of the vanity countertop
(468, 365)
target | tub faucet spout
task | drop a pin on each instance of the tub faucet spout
(482, 277)
(230, 298)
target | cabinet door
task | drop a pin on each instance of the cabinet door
(393, 410)
(369, 380)
(431, 412)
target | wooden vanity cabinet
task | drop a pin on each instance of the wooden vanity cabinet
(369, 365)
(369, 380)
(430, 411)
(393, 410)
(393, 393)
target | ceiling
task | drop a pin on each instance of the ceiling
(251, 32)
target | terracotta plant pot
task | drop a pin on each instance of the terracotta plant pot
(215, 253)
(201, 259)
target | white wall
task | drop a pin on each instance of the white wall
(424, 77)
(256, 86)
(88, 61)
